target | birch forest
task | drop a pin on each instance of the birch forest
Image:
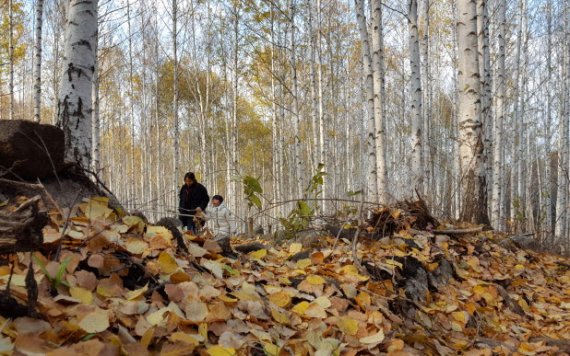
(284, 177)
(464, 103)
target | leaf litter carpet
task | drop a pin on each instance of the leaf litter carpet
(114, 285)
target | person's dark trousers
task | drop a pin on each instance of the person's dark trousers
(190, 225)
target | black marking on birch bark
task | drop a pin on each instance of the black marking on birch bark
(82, 43)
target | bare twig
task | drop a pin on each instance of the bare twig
(355, 259)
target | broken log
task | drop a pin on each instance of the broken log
(21, 229)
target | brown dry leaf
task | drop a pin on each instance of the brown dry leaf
(196, 311)
(26, 325)
(85, 279)
(95, 322)
(110, 287)
(317, 258)
(92, 347)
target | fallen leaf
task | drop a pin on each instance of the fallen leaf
(167, 263)
(259, 254)
(347, 325)
(217, 350)
(95, 322)
(83, 295)
(374, 338)
(196, 311)
(281, 299)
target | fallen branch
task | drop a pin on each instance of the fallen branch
(459, 231)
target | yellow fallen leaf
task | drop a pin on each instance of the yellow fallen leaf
(279, 317)
(132, 295)
(147, 337)
(95, 322)
(83, 295)
(460, 316)
(271, 349)
(295, 248)
(96, 208)
(352, 271)
(363, 300)
(226, 298)
(374, 338)
(186, 338)
(131, 221)
(203, 330)
(259, 254)
(167, 263)
(281, 299)
(315, 280)
(347, 325)
(300, 307)
(304, 263)
(217, 350)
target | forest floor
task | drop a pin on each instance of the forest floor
(109, 285)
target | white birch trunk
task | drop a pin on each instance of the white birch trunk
(74, 107)
(133, 175)
(416, 103)
(371, 182)
(473, 185)
(38, 64)
(485, 73)
(563, 144)
(296, 112)
(499, 118)
(96, 124)
(11, 58)
(176, 155)
(378, 80)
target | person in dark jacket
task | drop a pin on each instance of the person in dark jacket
(192, 195)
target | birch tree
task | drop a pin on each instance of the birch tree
(377, 35)
(499, 118)
(74, 106)
(563, 140)
(473, 184)
(11, 57)
(416, 90)
(38, 58)
(371, 173)
(176, 155)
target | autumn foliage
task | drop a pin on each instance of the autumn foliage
(110, 285)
